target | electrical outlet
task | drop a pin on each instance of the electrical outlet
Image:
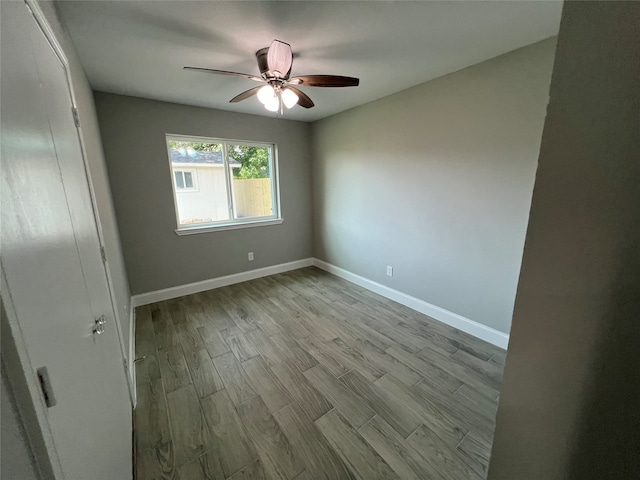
(390, 271)
(250, 256)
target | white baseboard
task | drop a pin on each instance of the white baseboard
(132, 353)
(191, 288)
(488, 334)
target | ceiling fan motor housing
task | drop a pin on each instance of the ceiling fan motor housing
(261, 55)
(263, 65)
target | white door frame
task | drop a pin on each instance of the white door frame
(126, 351)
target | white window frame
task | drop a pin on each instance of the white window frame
(194, 179)
(232, 222)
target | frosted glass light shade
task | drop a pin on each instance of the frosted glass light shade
(272, 104)
(289, 98)
(266, 94)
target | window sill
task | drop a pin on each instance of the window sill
(227, 226)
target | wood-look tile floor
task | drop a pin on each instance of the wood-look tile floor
(303, 376)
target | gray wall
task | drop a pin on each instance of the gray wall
(436, 181)
(97, 167)
(133, 134)
(569, 407)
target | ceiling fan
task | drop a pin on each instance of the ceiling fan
(275, 63)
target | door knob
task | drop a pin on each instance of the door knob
(98, 328)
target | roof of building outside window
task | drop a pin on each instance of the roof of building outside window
(196, 157)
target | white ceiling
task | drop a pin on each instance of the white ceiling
(139, 47)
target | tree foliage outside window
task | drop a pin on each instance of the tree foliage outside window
(198, 146)
(254, 160)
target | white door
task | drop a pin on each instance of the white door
(55, 282)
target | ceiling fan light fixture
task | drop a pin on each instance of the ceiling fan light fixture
(273, 104)
(289, 98)
(266, 94)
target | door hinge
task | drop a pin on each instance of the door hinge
(76, 116)
(103, 254)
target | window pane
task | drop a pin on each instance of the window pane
(203, 198)
(251, 180)
(179, 179)
(188, 180)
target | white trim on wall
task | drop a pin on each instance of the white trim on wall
(478, 330)
(132, 354)
(191, 288)
(488, 334)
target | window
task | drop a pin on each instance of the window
(185, 179)
(220, 184)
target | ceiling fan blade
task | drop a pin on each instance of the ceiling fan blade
(303, 99)
(325, 81)
(244, 95)
(280, 58)
(224, 72)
